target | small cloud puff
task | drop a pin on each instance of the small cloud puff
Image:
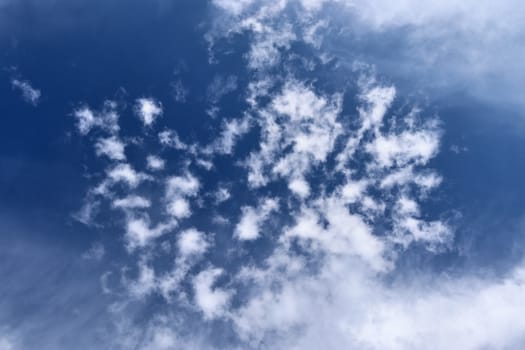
(155, 163)
(111, 147)
(106, 119)
(192, 242)
(139, 232)
(178, 190)
(148, 110)
(248, 227)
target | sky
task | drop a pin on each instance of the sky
(255, 174)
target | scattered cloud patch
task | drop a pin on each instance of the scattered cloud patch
(111, 147)
(249, 226)
(211, 300)
(148, 110)
(178, 191)
(106, 119)
(30, 94)
(155, 163)
(192, 242)
(139, 232)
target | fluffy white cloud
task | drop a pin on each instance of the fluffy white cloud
(409, 146)
(178, 189)
(377, 100)
(300, 187)
(211, 300)
(111, 147)
(354, 311)
(186, 185)
(248, 227)
(148, 109)
(106, 119)
(140, 233)
(299, 120)
(125, 173)
(179, 208)
(155, 163)
(192, 242)
(345, 233)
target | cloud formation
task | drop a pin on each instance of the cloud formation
(326, 197)
(30, 94)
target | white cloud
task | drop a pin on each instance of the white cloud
(353, 191)
(334, 229)
(179, 208)
(300, 187)
(132, 202)
(29, 93)
(345, 233)
(409, 146)
(125, 173)
(111, 147)
(178, 189)
(186, 185)
(192, 242)
(232, 130)
(86, 119)
(248, 227)
(155, 163)
(106, 119)
(191, 246)
(377, 99)
(171, 138)
(300, 120)
(148, 109)
(140, 233)
(353, 310)
(233, 6)
(212, 301)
